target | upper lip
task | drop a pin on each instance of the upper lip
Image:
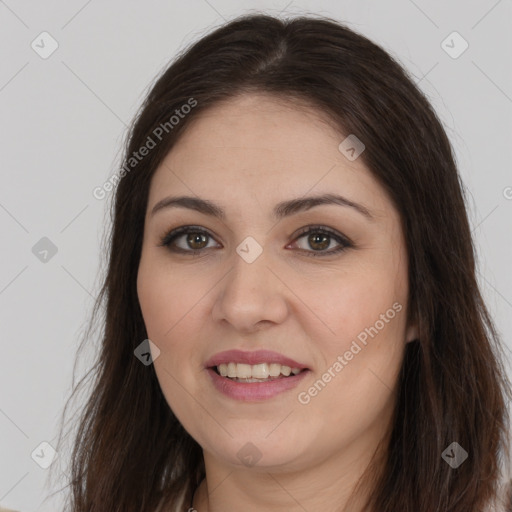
(252, 358)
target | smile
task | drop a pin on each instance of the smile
(241, 372)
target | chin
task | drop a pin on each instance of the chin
(255, 452)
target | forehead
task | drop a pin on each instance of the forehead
(259, 145)
(262, 123)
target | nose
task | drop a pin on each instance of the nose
(251, 295)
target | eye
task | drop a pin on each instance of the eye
(195, 238)
(320, 238)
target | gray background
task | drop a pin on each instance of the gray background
(62, 125)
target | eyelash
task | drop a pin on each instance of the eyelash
(171, 236)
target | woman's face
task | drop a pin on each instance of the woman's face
(256, 282)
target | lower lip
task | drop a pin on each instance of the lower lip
(254, 391)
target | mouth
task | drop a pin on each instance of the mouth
(255, 382)
(254, 376)
(262, 372)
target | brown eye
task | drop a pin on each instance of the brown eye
(319, 241)
(195, 239)
(320, 238)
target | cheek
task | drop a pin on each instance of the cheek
(361, 336)
(172, 304)
(167, 298)
(171, 312)
(352, 302)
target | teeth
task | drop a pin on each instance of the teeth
(243, 371)
(231, 370)
(275, 369)
(257, 371)
(286, 370)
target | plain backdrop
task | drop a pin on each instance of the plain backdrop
(63, 120)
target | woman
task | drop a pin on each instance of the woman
(293, 320)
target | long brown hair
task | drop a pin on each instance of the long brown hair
(130, 453)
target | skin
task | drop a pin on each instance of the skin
(247, 155)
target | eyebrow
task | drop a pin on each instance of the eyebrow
(281, 210)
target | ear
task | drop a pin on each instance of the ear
(412, 332)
